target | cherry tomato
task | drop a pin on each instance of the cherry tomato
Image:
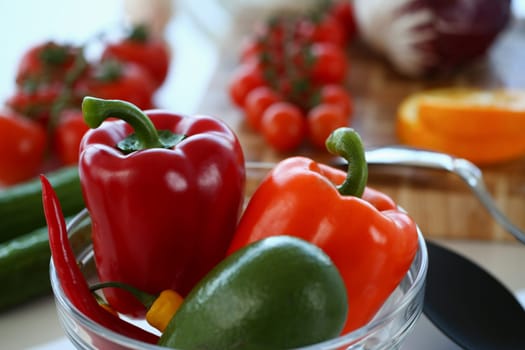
(22, 148)
(120, 80)
(257, 101)
(326, 29)
(322, 120)
(343, 11)
(245, 78)
(68, 133)
(338, 95)
(330, 64)
(141, 48)
(35, 104)
(274, 31)
(283, 126)
(46, 62)
(268, 43)
(251, 49)
(46, 73)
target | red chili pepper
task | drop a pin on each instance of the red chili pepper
(164, 208)
(71, 278)
(371, 242)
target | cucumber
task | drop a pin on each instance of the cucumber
(21, 208)
(24, 264)
(24, 268)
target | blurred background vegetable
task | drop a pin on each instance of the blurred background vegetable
(51, 79)
(419, 37)
(291, 80)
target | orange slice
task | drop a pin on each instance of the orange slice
(465, 123)
(473, 112)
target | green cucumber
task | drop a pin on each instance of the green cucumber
(24, 268)
(24, 264)
(21, 208)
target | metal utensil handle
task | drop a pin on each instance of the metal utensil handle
(467, 171)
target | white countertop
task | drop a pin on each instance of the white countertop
(35, 325)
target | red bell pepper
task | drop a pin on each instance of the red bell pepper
(371, 242)
(164, 204)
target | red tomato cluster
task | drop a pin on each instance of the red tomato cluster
(42, 121)
(291, 80)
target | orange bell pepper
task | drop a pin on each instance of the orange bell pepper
(371, 242)
(482, 126)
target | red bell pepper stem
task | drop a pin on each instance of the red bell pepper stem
(71, 278)
(346, 142)
(97, 110)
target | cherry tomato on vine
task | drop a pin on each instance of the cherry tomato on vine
(283, 126)
(257, 101)
(330, 64)
(143, 49)
(268, 42)
(325, 29)
(46, 62)
(245, 78)
(337, 95)
(343, 11)
(322, 120)
(126, 81)
(35, 104)
(251, 49)
(68, 133)
(22, 148)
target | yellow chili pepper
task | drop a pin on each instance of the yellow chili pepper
(163, 309)
(160, 308)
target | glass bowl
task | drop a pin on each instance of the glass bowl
(386, 330)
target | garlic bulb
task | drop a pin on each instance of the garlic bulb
(419, 36)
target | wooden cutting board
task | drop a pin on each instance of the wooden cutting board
(440, 202)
